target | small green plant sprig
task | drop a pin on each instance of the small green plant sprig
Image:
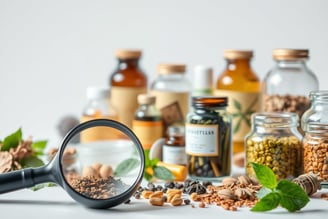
(274, 193)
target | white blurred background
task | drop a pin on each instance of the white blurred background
(51, 51)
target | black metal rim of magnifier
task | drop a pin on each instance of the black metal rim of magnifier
(116, 200)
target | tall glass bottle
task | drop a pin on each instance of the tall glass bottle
(147, 123)
(287, 85)
(242, 86)
(127, 82)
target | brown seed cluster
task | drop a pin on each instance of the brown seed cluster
(98, 188)
(159, 198)
(285, 103)
(316, 157)
(233, 193)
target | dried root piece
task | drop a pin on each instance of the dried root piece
(308, 182)
(6, 161)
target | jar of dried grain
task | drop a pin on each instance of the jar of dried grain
(315, 150)
(274, 141)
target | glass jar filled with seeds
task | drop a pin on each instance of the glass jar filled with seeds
(287, 85)
(208, 138)
(315, 150)
(274, 141)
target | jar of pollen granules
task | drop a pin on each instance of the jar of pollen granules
(274, 141)
(208, 139)
(315, 150)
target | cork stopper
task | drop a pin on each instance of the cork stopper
(232, 54)
(128, 54)
(290, 54)
(171, 68)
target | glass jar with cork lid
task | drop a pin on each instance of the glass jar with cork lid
(274, 141)
(287, 85)
(172, 90)
(239, 82)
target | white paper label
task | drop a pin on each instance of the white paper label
(202, 140)
(174, 155)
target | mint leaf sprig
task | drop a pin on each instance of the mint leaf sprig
(284, 193)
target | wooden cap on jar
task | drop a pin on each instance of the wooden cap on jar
(237, 54)
(128, 53)
(290, 54)
(171, 68)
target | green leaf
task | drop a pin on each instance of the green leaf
(293, 197)
(268, 202)
(147, 176)
(12, 140)
(237, 105)
(237, 126)
(39, 146)
(163, 173)
(263, 192)
(31, 161)
(43, 185)
(265, 175)
(126, 166)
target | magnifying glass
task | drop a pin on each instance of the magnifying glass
(98, 171)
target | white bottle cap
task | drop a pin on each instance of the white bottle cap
(203, 77)
(97, 93)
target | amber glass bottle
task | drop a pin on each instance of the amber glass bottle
(243, 88)
(147, 123)
(127, 82)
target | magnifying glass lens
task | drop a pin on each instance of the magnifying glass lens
(101, 162)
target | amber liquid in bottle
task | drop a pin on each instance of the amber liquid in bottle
(127, 82)
(243, 88)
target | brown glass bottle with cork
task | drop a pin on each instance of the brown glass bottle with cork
(127, 82)
(240, 83)
(147, 123)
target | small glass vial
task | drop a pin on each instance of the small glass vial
(173, 150)
(287, 85)
(147, 123)
(208, 139)
(172, 90)
(98, 107)
(318, 111)
(127, 81)
(315, 150)
(202, 81)
(274, 141)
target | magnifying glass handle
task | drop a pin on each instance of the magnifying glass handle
(24, 178)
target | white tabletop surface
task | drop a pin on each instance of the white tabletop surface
(54, 202)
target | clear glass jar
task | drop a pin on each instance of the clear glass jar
(239, 82)
(172, 90)
(208, 139)
(287, 85)
(318, 111)
(274, 141)
(147, 123)
(128, 80)
(174, 146)
(315, 150)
